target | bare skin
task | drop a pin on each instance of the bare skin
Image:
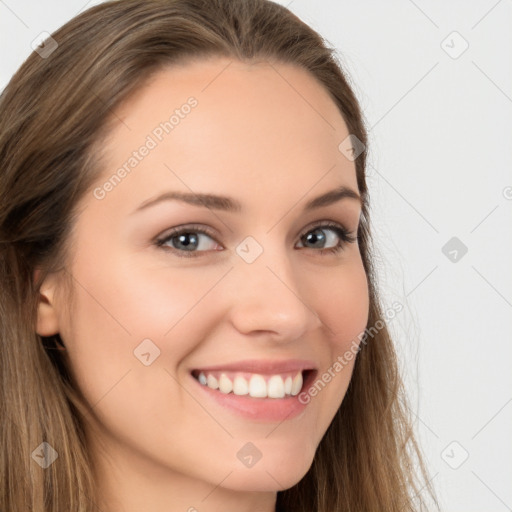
(158, 442)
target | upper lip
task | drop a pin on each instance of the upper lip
(263, 366)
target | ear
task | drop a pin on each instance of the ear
(47, 318)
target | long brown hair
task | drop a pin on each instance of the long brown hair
(54, 113)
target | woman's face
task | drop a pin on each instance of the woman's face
(153, 309)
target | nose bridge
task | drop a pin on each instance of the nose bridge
(268, 295)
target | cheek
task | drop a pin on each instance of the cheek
(118, 317)
(342, 303)
(351, 314)
(118, 307)
(343, 308)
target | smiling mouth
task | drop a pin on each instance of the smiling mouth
(255, 385)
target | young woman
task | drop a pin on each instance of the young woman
(190, 320)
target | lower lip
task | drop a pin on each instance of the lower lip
(263, 409)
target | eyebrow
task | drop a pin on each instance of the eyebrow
(216, 202)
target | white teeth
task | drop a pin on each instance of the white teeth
(225, 385)
(297, 384)
(276, 387)
(212, 382)
(240, 386)
(288, 385)
(257, 387)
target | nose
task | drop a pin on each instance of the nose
(267, 299)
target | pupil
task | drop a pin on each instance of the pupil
(183, 240)
(314, 236)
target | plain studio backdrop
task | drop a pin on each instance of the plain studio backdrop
(434, 79)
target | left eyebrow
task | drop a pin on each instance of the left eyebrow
(216, 202)
(333, 196)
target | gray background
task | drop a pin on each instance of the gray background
(440, 119)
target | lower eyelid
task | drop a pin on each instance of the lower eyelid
(326, 225)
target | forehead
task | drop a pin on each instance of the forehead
(261, 126)
(230, 85)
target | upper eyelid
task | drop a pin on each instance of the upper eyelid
(209, 232)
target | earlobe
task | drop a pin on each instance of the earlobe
(47, 318)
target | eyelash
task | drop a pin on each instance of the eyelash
(344, 234)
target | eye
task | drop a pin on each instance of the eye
(187, 241)
(316, 234)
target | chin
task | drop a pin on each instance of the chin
(276, 475)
